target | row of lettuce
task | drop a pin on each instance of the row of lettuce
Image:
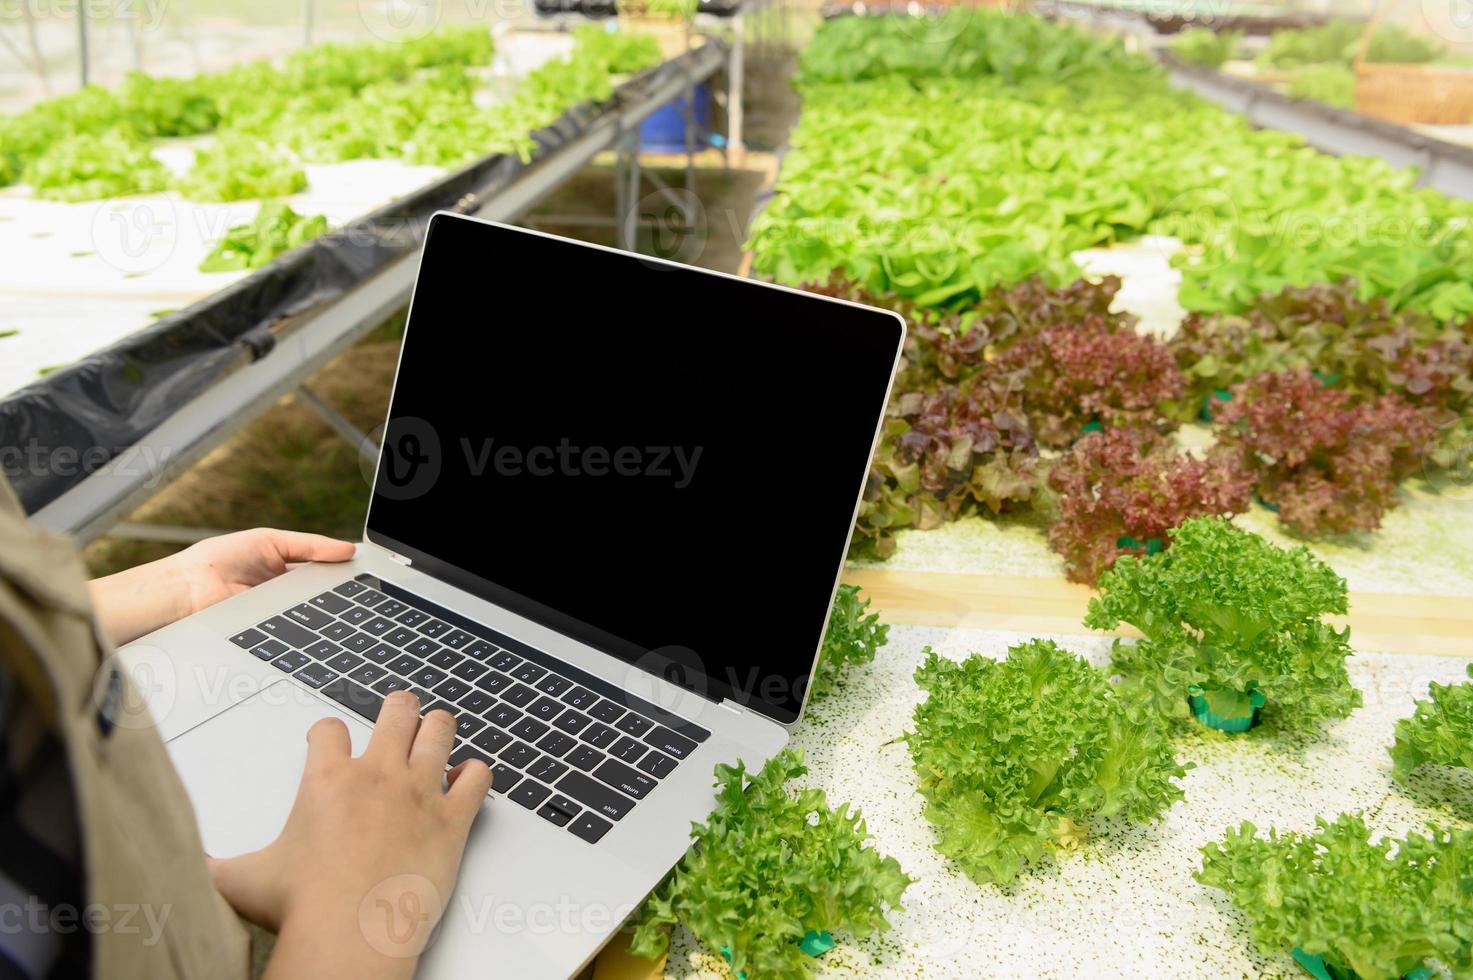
(422, 100)
(1021, 760)
(949, 168)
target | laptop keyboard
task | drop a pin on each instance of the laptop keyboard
(567, 745)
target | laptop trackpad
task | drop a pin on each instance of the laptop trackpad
(241, 768)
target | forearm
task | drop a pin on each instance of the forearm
(130, 603)
(333, 947)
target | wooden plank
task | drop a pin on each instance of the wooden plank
(1413, 624)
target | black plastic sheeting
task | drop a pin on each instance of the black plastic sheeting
(56, 432)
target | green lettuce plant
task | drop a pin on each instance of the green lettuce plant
(88, 167)
(1205, 47)
(276, 228)
(769, 867)
(1016, 758)
(1440, 733)
(1232, 622)
(1374, 910)
(852, 638)
(239, 167)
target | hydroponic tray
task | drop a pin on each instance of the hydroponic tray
(1127, 905)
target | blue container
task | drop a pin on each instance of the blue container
(664, 131)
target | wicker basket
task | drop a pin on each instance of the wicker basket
(1410, 93)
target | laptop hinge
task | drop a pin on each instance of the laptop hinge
(732, 706)
(393, 555)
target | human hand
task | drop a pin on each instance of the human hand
(359, 877)
(140, 600)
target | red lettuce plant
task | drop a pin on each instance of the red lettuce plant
(1072, 375)
(1328, 463)
(1120, 492)
(942, 452)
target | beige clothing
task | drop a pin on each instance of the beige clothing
(140, 845)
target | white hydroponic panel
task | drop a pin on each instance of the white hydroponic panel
(1127, 905)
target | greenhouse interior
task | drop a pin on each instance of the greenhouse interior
(1002, 325)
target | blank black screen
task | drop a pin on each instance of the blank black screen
(661, 462)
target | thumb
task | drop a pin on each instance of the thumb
(252, 886)
(299, 546)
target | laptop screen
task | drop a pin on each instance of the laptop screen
(661, 462)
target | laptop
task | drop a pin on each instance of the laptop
(608, 520)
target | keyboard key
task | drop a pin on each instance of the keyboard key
(355, 698)
(504, 715)
(670, 743)
(520, 695)
(518, 754)
(657, 764)
(453, 689)
(546, 769)
(589, 827)
(529, 729)
(330, 602)
(344, 662)
(391, 684)
(412, 617)
(445, 659)
(476, 702)
(427, 676)
(467, 725)
(505, 660)
(391, 608)
(434, 628)
(607, 711)
(580, 697)
(315, 675)
(464, 752)
(323, 650)
(291, 661)
(356, 615)
(600, 736)
(368, 674)
(369, 597)
(493, 683)
(289, 632)
(633, 724)
(553, 685)
(469, 670)
(378, 626)
(585, 757)
(556, 744)
(270, 650)
(559, 810)
(503, 777)
(405, 664)
(624, 779)
(246, 639)
(530, 793)
(595, 795)
(421, 695)
(350, 589)
(456, 639)
(546, 709)
(359, 642)
(479, 649)
(528, 672)
(380, 654)
(627, 750)
(572, 722)
(338, 630)
(400, 636)
(428, 704)
(310, 616)
(423, 648)
(491, 740)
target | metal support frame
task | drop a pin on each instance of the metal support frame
(1446, 167)
(98, 502)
